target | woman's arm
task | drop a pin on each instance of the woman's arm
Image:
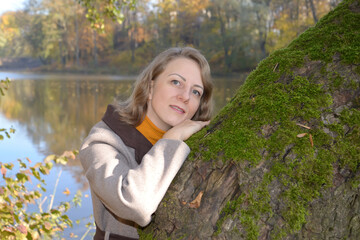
(129, 190)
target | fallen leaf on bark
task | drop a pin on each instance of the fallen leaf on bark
(301, 135)
(197, 201)
(311, 140)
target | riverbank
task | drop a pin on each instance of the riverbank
(32, 65)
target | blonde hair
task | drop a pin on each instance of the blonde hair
(133, 110)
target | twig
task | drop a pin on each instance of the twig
(53, 195)
(276, 65)
(86, 233)
(41, 203)
(299, 124)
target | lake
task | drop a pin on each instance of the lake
(53, 113)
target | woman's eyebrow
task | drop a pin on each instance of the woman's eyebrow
(178, 76)
(196, 85)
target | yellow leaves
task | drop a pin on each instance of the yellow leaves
(194, 6)
(287, 25)
(69, 155)
(9, 229)
(21, 177)
(7, 20)
(196, 202)
(3, 170)
(73, 235)
(50, 158)
(4, 19)
(47, 225)
(66, 192)
(9, 28)
(15, 195)
(22, 229)
(63, 158)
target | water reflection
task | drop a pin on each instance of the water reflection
(57, 112)
(61, 112)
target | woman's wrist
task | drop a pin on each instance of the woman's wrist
(171, 135)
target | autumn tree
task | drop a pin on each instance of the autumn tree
(291, 18)
(234, 35)
(11, 43)
(282, 159)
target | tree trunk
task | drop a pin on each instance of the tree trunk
(282, 159)
(313, 10)
(77, 51)
(95, 48)
(133, 35)
(224, 39)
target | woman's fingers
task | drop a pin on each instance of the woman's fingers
(185, 129)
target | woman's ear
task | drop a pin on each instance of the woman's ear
(151, 89)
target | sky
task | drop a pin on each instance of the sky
(11, 5)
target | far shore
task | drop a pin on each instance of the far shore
(14, 74)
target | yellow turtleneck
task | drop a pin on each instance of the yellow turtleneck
(150, 131)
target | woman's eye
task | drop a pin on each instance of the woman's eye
(197, 93)
(175, 82)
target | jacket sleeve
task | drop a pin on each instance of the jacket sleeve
(128, 190)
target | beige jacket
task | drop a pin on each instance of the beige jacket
(128, 176)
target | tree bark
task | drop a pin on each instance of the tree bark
(282, 159)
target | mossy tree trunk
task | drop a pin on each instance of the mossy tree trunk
(282, 159)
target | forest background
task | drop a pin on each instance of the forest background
(234, 35)
(57, 36)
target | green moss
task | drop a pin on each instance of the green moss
(357, 69)
(336, 81)
(353, 84)
(342, 39)
(249, 215)
(273, 95)
(263, 117)
(240, 136)
(355, 183)
(345, 149)
(144, 236)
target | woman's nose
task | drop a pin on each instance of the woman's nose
(184, 95)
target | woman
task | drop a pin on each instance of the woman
(133, 154)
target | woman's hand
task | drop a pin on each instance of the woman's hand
(185, 129)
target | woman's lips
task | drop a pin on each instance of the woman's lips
(177, 109)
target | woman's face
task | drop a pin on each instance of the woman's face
(175, 94)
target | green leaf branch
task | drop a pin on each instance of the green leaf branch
(97, 11)
(26, 187)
